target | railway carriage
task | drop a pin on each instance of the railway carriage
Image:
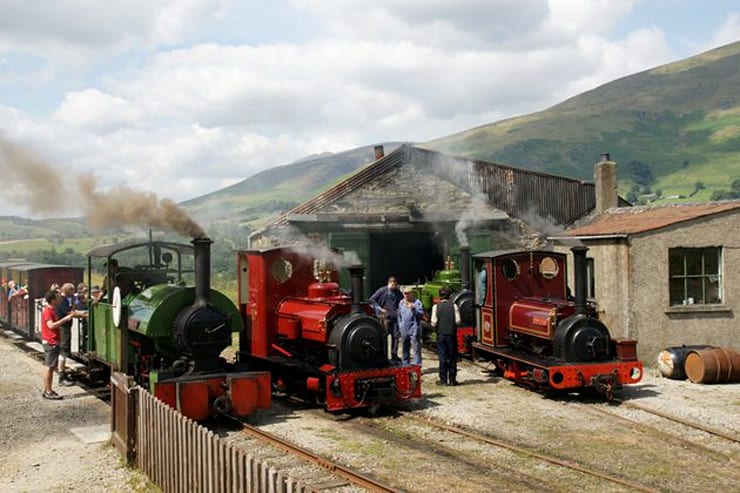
(22, 313)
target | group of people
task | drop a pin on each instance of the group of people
(402, 315)
(63, 304)
(13, 289)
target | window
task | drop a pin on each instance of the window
(695, 275)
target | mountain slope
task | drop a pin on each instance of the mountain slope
(682, 120)
(674, 128)
(281, 188)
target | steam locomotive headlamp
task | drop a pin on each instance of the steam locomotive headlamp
(116, 305)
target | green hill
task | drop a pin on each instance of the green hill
(680, 122)
(254, 200)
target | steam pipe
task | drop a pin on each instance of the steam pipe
(465, 267)
(579, 255)
(202, 248)
(356, 273)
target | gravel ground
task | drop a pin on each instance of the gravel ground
(39, 449)
(39, 452)
(654, 452)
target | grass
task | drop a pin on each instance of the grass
(82, 245)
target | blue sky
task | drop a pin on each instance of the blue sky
(189, 96)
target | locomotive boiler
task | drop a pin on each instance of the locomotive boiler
(317, 342)
(538, 335)
(161, 323)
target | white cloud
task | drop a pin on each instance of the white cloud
(78, 31)
(97, 111)
(729, 32)
(181, 115)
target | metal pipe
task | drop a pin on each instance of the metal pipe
(580, 273)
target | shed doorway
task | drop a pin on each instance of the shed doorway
(411, 257)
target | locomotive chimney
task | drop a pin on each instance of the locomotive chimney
(579, 255)
(356, 272)
(202, 248)
(379, 152)
(465, 267)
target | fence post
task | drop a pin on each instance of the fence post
(123, 415)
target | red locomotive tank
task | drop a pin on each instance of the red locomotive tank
(318, 342)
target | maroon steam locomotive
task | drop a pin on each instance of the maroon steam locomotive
(317, 342)
(540, 337)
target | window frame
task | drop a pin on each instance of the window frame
(689, 257)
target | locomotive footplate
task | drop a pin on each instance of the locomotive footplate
(559, 374)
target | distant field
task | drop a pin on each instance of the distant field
(82, 245)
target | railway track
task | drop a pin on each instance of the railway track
(566, 463)
(341, 475)
(513, 474)
(653, 430)
(697, 426)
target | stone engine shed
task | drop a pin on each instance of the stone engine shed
(406, 212)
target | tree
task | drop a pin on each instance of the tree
(733, 193)
(640, 172)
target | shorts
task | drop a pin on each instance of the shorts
(51, 355)
(65, 340)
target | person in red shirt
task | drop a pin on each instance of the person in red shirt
(50, 325)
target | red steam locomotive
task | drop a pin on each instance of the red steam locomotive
(541, 338)
(317, 342)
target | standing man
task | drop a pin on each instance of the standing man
(446, 318)
(386, 299)
(64, 308)
(50, 325)
(410, 311)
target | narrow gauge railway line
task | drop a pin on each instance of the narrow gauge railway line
(467, 456)
(566, 463)
(383, 430)
(349, 477)
(633, 405)
(685, 422)
(653, 430)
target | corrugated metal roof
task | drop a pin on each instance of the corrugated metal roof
(633, 220)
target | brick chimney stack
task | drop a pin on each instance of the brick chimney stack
(605, 181)
(379, 152)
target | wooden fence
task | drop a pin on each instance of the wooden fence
(179, 455)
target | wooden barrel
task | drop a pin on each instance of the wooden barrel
(715, 365)
(672, 359)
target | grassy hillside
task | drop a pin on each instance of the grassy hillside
(264, 195)
(682, 120)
